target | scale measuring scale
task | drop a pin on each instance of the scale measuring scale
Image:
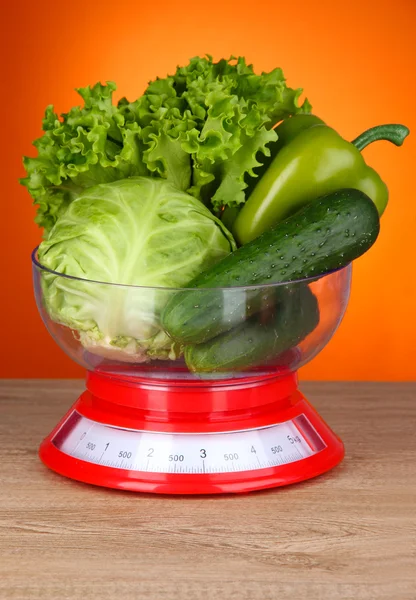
(258, 432)
(153, 452)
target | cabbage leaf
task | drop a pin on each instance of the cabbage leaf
(115, 258)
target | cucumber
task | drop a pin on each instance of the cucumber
(326, 234)
(259, 341)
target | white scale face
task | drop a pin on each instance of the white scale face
(188, 453)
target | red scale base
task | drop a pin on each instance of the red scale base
(194, 407)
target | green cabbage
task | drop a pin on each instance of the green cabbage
(138, 231)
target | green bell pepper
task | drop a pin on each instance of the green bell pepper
(288, 129)
(312, 160)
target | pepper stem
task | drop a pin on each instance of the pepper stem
(393, 133)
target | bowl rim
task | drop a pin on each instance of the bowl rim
(36, 263)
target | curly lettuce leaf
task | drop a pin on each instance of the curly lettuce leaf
(88, 146)
(229, 113)
(205, 129)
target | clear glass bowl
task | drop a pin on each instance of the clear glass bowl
(129, 331)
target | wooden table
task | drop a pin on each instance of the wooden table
(349, 534)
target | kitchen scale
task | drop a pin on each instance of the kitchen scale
(156, 427)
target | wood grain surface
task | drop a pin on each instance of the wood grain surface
(349, 534)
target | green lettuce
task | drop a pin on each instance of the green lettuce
(140, 232)
(205, 129)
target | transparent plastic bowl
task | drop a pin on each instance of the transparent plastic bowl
(256, 331)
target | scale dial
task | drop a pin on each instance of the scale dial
(188, 453)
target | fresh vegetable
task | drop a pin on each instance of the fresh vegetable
(286, 131)
(326, 234)
(145, 194)
(137, 232)
(203, 129)
(259, 340)
(315, 161)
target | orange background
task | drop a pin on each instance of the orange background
(355, 61)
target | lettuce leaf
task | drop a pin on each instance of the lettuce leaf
(204, 129)
(89, 145)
